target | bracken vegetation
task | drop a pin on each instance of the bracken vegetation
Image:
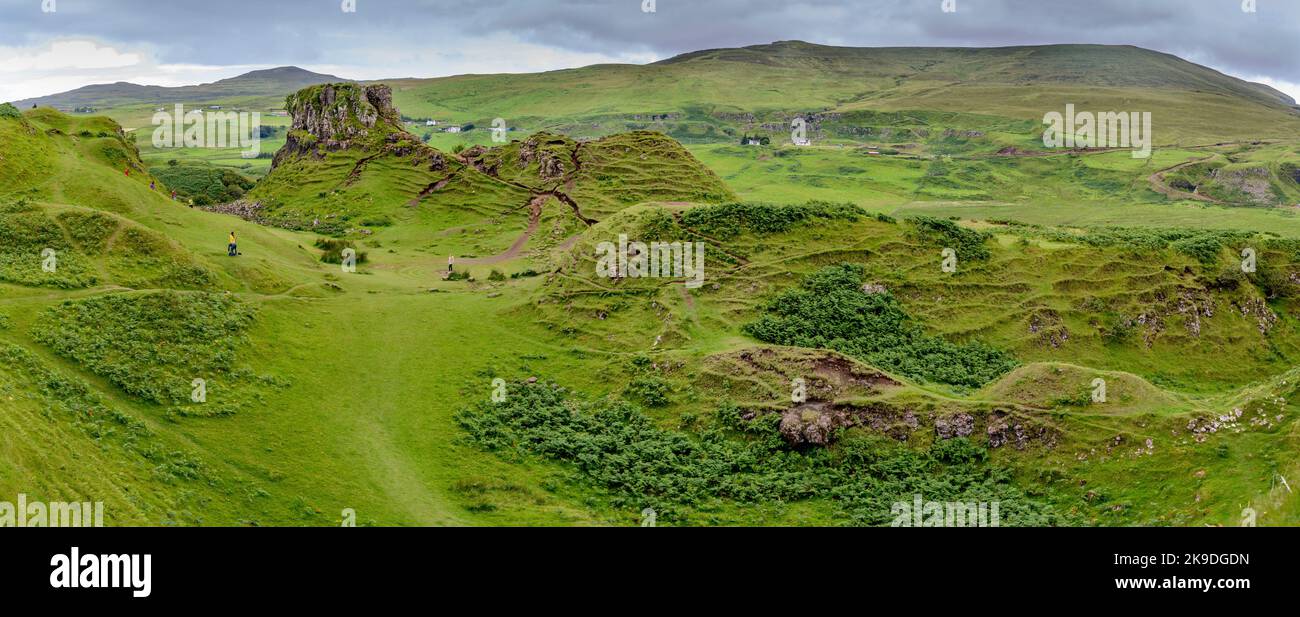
(831, 310)
(612, 445)
(152, 345)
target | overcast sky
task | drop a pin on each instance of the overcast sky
(177, 42)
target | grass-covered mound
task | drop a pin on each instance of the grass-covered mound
(90, 248)
(27, 235)
(154, 345)
(102, 453)
(613, 446)
(830, 309)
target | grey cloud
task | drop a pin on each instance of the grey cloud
(1214, 32)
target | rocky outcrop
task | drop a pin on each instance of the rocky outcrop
(818, 423)
(813, 424)
(333, 117)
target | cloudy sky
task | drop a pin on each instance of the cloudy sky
(48, 46)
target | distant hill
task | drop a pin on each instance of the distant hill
(1089, 65)
(268, 82)
(745, 87)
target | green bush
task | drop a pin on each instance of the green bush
(649, 390)
(205, 184)
(152, 345)
(615, 447)
(333, 248)
(829, 310)
(969, 244)
(730, 220)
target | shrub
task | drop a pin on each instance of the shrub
(615, 447)
(151, 345)
(829, 310)
(729, 220)
(333, 248)
(968, 243)
(650, 391)
(203, 183)
(381, 220)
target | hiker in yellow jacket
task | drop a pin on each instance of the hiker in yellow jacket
(231, 249)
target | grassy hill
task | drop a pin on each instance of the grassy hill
(355, 178)
(704, 94)
(274, 83)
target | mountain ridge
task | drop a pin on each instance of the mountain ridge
(274, 81)
(805, 49)
(773, 82)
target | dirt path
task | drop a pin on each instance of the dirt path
(1157, 182)
(428, 190)
(534, 217)
(687, 298)
(535, 202)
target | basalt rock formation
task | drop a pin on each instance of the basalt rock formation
(333, 117)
